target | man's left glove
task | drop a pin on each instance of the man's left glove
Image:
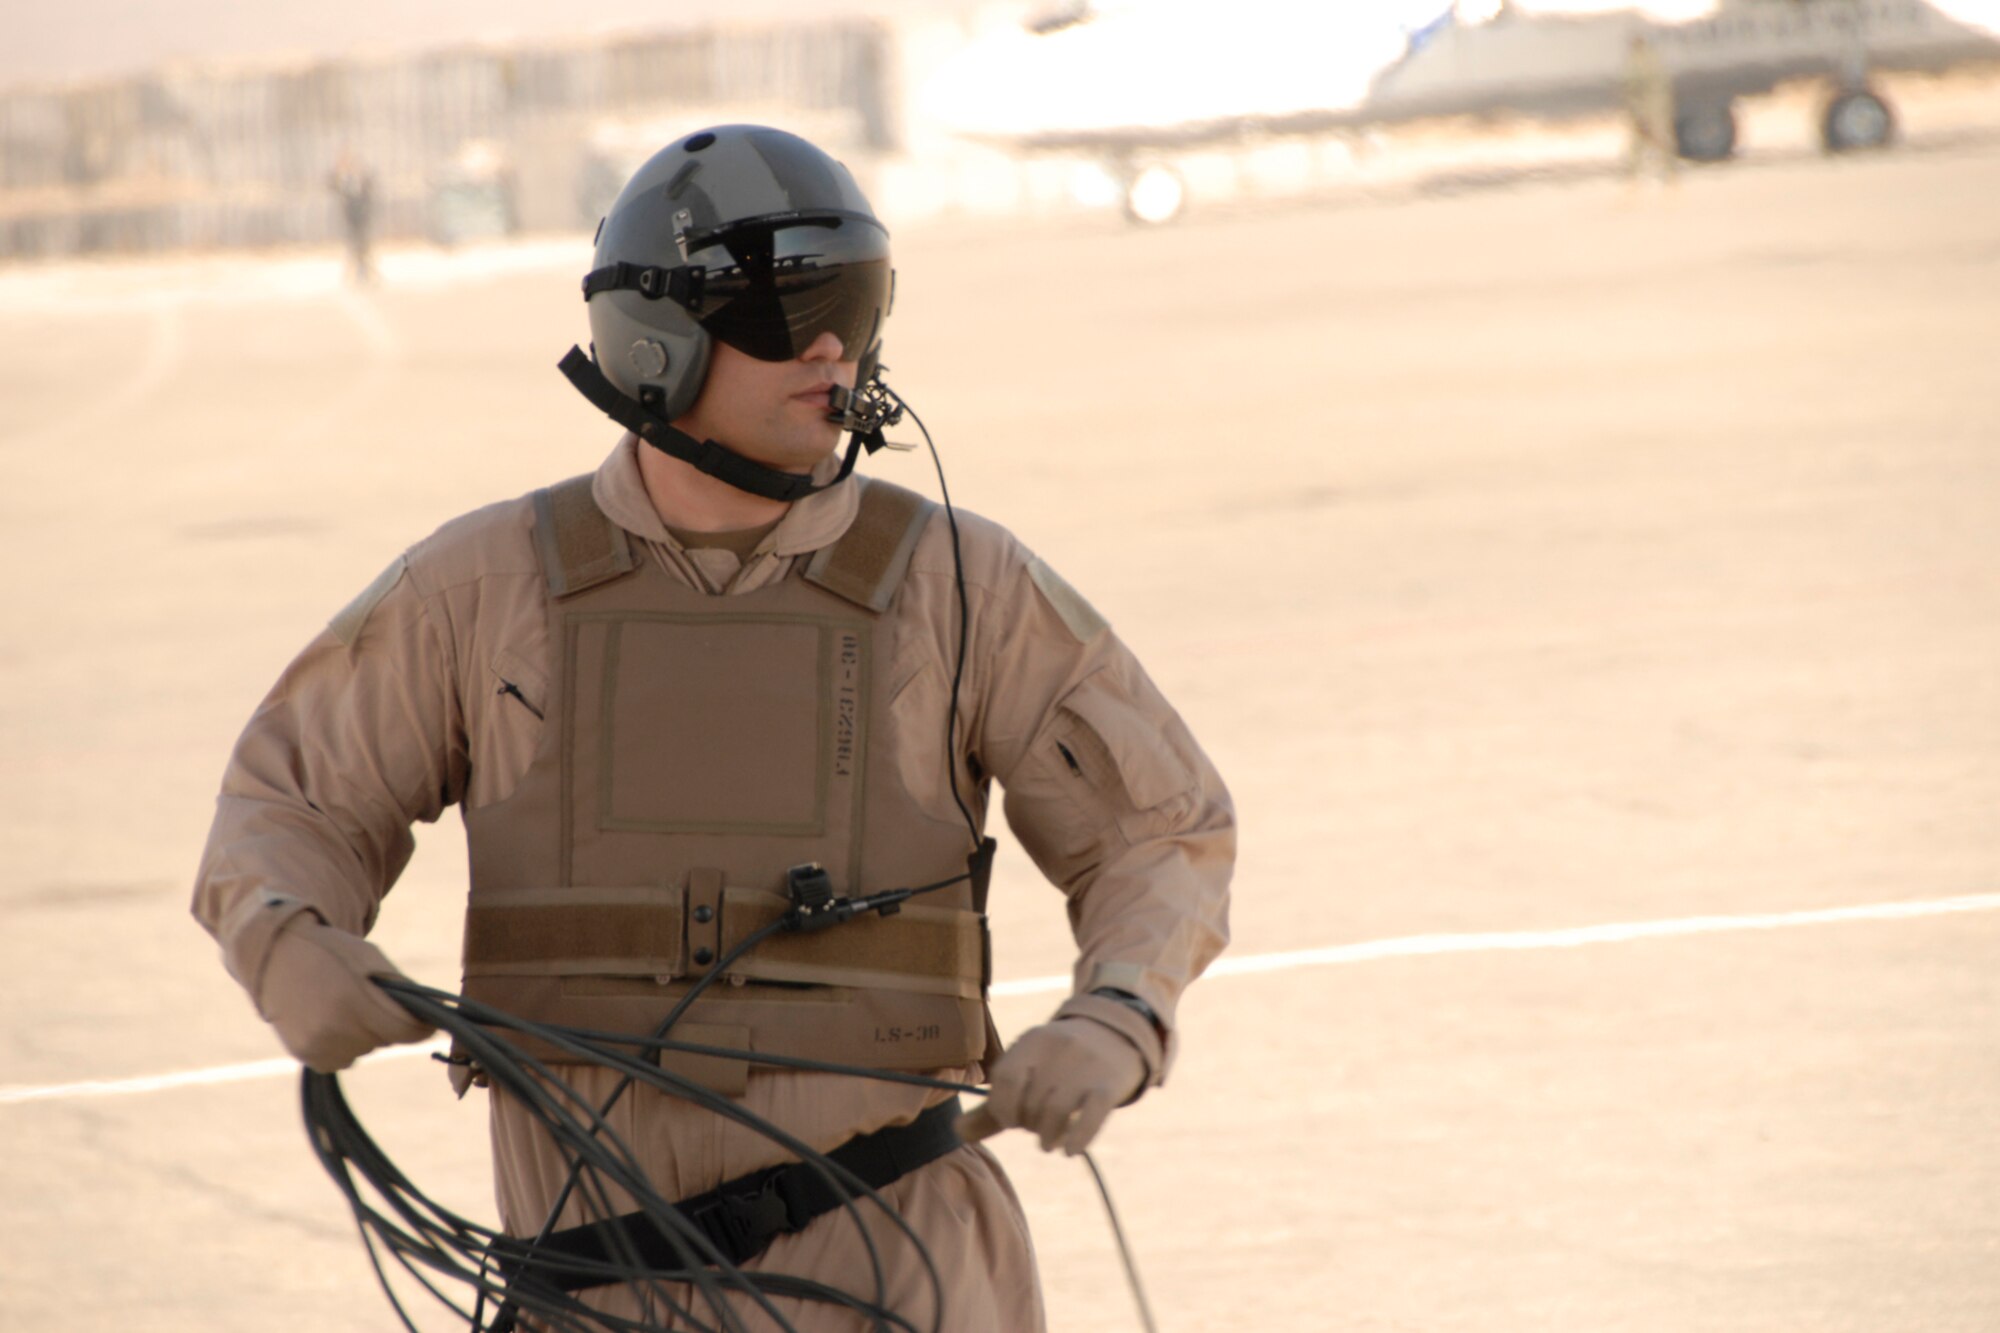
(1064, 1078)
(316, 992)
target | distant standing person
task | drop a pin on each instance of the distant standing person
(1649, 112)
(354, 185)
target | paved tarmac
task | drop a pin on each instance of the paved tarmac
(1529, 559)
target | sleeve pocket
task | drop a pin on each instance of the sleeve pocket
(1101, 730)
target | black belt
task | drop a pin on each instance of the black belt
(740, 1217)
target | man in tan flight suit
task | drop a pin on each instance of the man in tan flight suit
(1649, 113)
(656, 689)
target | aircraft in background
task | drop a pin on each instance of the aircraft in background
(1129, 83)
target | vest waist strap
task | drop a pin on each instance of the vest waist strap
(740, 1217)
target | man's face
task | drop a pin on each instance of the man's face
(771, 411)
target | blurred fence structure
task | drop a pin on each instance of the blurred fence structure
(461, 143)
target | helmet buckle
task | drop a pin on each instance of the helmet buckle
(685, 285)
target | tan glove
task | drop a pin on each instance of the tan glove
(1062, 1080)
(317, 994)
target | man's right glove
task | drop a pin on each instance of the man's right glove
(316, 992)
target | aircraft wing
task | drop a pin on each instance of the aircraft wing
(1981, 14)
(1177, 72)
(1120, 77)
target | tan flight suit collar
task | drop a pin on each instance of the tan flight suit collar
(816, 521)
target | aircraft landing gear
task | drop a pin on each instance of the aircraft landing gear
(1155, 194)
(1706, 131)
(1857, 119)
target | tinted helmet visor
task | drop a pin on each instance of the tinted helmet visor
(773, 286)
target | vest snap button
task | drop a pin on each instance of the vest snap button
(704, 914)
(703, 957)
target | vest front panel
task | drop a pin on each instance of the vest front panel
(695, 749)
(738, 728)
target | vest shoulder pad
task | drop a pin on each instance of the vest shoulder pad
(579, 547)
(866, 565)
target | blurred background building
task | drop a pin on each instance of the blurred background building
(462, 143)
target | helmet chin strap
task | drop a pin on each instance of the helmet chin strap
(864, 414)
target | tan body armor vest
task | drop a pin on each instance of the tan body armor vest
(695, 748)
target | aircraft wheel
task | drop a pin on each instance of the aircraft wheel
(1155, 195)
(1706, 131)
(1855, 120)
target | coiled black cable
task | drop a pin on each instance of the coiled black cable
(599, 1161)
(441, 1250)
(798, 918)
(430, 1242)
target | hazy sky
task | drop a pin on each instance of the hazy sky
(57, 41)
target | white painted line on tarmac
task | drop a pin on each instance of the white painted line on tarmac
(1406, 946)
(151, 1083)
(384, 350)
(383, 344)
(126, 385)
(281, 1067)
(1424, 946)
(1420, 946)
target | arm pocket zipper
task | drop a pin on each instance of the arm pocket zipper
(1070, 759)
(509, 687)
